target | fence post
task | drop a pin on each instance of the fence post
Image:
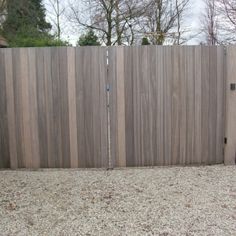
(230, 137)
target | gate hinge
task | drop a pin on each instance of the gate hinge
(225, 140)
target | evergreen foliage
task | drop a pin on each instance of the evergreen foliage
(89, 39)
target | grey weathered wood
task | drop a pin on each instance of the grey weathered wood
(42, 108)
(113, 105)
(198, 106)
(160, 108)
(174, 105)
(212, 103)
(175, 101)
(24, 76)
(72, 108)
(152, 112)
(168, 116)
(183, 73)
(220, 101)
(205, 62)
(167, 106)
(103, 122)
(136, 109)
(53, 107)
(18, 105)
(33, 109)
(121, 108)
(48, 91)
(190, 103)
(230, 147)
(91, 107)
(63, 84)
(80, 107)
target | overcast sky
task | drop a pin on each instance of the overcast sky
(192, 22)
(196, 8)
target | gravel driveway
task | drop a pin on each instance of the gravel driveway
(158, 201)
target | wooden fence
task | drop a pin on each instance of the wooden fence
(166, 106)
(53, 107)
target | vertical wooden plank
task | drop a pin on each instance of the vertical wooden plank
(72, 108)
(205, 104)
(42, 113)
(175, 107)
(56, 94)
(137, 107)
(26, 108)
(144, 106)
(127, 103)
(152, 90)
(95, 89)
(220, 101)
(230, 147)
(33, 109)
(142, 125)
(212, 104)
(111, 73)
(102, 71)
(168, 116)
(147, 77)
(63, 85)
(183, 77)
(4, 137)
(161, 79)
(144, 129)
(190, 105)
(18, 105)
(80, 106)
(49, 132)
(198, 106)
(121, 158)
(10, 108)
(88, 108)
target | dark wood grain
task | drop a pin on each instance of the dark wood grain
(10, 108)
(4, 137)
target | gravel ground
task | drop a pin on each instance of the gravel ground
(158, 201)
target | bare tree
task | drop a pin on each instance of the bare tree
(227, 12)
(210, 22)
(229, 8)
(162, 20)
(182, 32)
(56, 10)
(113, 20)
(95, 15)
(178, 22)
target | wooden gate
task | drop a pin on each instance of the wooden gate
(53, 107)
(167, 105)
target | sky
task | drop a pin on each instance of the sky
(196, 8)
